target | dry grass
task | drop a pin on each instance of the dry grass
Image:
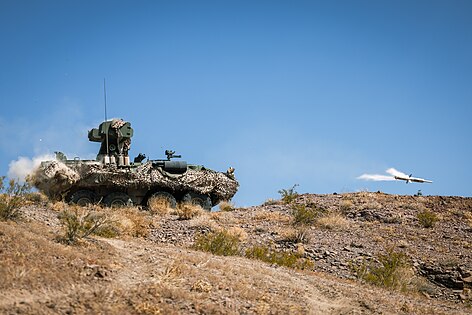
(223, 218)
(12, 199)
(270, 202)
(238, 232)
(294, 235)
(37, 198)
(80, 222)
(204, 222)
(187, 211)
(30, 259)
(275, 217)
(281, 258)
(346, 205)
(132, 221)
(333, 221)
(150, 278)
(159, 206)
(226, 206)
(58, 206)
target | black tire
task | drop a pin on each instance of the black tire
(117, 200)
(203, 201)
(166, 196)
(82, 197)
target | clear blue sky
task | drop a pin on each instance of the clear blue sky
(313, 93)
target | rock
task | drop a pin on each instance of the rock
(464, 272)
(356, 245)
(467, 281)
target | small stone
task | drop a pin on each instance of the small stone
(467, 280)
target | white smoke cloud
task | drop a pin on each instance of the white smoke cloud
(24, 166)
(377, 177)
(394, 172)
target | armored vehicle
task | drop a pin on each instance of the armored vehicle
(113, 180)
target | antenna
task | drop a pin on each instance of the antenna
(105, 95)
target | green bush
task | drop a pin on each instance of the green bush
(286, 259)
(80, 222)
(288, 195)
(427, 218)
(12, 198)
(303, 215)
(218, 243)
(391, 271)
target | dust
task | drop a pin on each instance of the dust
(22, 167)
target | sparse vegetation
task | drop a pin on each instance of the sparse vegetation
(160, 206)
(160, 275)
(12, 198)
(187, 211)
(270, 202)
(391, 270)
(288, 195)
(427, 218)
(333, 221)
(226, 206)
(303, 215)
(219, 243)
(131, 221)
(346, 206)
(80, 222)
(296, 235)
(286, 259)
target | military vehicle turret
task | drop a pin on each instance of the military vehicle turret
(113, 180)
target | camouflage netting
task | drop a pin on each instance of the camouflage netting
(55, 179)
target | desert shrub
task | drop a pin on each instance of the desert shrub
(333, 221)
(270, 202)
(288, 195)
(160, 206)
(303, 215)
(296, 235)
(286, 259)
(36, 198)
(391, 271)
(226, 206)
(219, 243)
(238, 232)
(204, 222)
(346, 206)
(427, 218)
(12, 198)
(187, 211)
(80, 222)
(132, 221)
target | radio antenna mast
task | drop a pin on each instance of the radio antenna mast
(108, 127)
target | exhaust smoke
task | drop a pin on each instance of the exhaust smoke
(377, 177)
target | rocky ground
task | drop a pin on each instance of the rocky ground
(153, 268)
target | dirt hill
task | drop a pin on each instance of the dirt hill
(360, 253)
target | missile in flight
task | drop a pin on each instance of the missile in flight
(409, 179)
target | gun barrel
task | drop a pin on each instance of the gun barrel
(173, 167)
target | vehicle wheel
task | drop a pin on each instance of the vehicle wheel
(82, 197)
(164, 195)
(203, 201)
(117, 200)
